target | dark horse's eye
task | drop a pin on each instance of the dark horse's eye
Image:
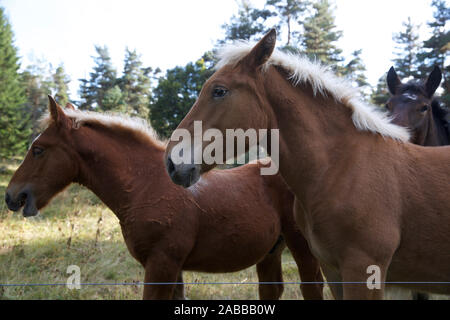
(219, 92)
(37, 151)
(424, 109)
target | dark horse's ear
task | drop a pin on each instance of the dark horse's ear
(262, 51)
(393, 81)
(56, 112)
(433, 81)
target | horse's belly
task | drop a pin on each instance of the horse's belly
(234, 245)
(423, 256)
(424, 274)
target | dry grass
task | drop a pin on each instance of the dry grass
(78, 229)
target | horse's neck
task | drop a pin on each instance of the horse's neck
(316, 135)
(120, 171)
(441, 133)
(434, 134)
(444, 135)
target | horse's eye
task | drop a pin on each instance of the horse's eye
(424, 109)
(37, 151)
(219, 92)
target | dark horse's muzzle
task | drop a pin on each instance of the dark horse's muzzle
(183, 174)
(24, 199)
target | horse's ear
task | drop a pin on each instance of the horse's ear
(433, 81)
(56, 112)
(393, 81)
(262, 51)
(70, 106)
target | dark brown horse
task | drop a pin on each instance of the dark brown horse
(412, 105)
(369, 202)
(233, 219)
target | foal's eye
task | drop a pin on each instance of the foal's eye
(424, 109)
(219, 92)
(37, 151)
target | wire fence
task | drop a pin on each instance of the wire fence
(219, 283)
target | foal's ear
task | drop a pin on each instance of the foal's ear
(56, 112)
(433, 81)
(393, 81)
(262, 51)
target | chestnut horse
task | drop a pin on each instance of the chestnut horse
(232, 220)
(412, 105)
(373, 207)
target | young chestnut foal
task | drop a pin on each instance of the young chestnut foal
(233, 219)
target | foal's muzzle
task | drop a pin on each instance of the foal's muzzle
(23, 199)
(183, 174)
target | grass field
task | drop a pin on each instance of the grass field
(77, 229)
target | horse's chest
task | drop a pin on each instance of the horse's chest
(129, 242)
(321, 248)
(132, 242)
(320, 238)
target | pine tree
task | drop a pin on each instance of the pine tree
(355, 70)
(38, 83)
(407, 48)
(435, 50)
(103, 78)
(380, 95)
(288, 11)
(60, 85)
(14, 122)
(247, 24)
(39, 80)
(135, 85)
(176, 92)
(320, 35)
(113, 100)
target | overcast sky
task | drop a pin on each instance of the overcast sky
(170, 33)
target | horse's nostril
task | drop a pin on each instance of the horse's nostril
(170, 165)
(21, 198)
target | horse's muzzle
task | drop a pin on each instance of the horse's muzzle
(23, 199)
(183, 174)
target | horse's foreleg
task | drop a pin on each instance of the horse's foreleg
(179, 288)
(334, 282)
(361, 282)
(420, 295)
(308, 269)
(269, 270)
(308, 265)
(160, 269)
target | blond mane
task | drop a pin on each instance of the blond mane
(303, 71)
(138, 127)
